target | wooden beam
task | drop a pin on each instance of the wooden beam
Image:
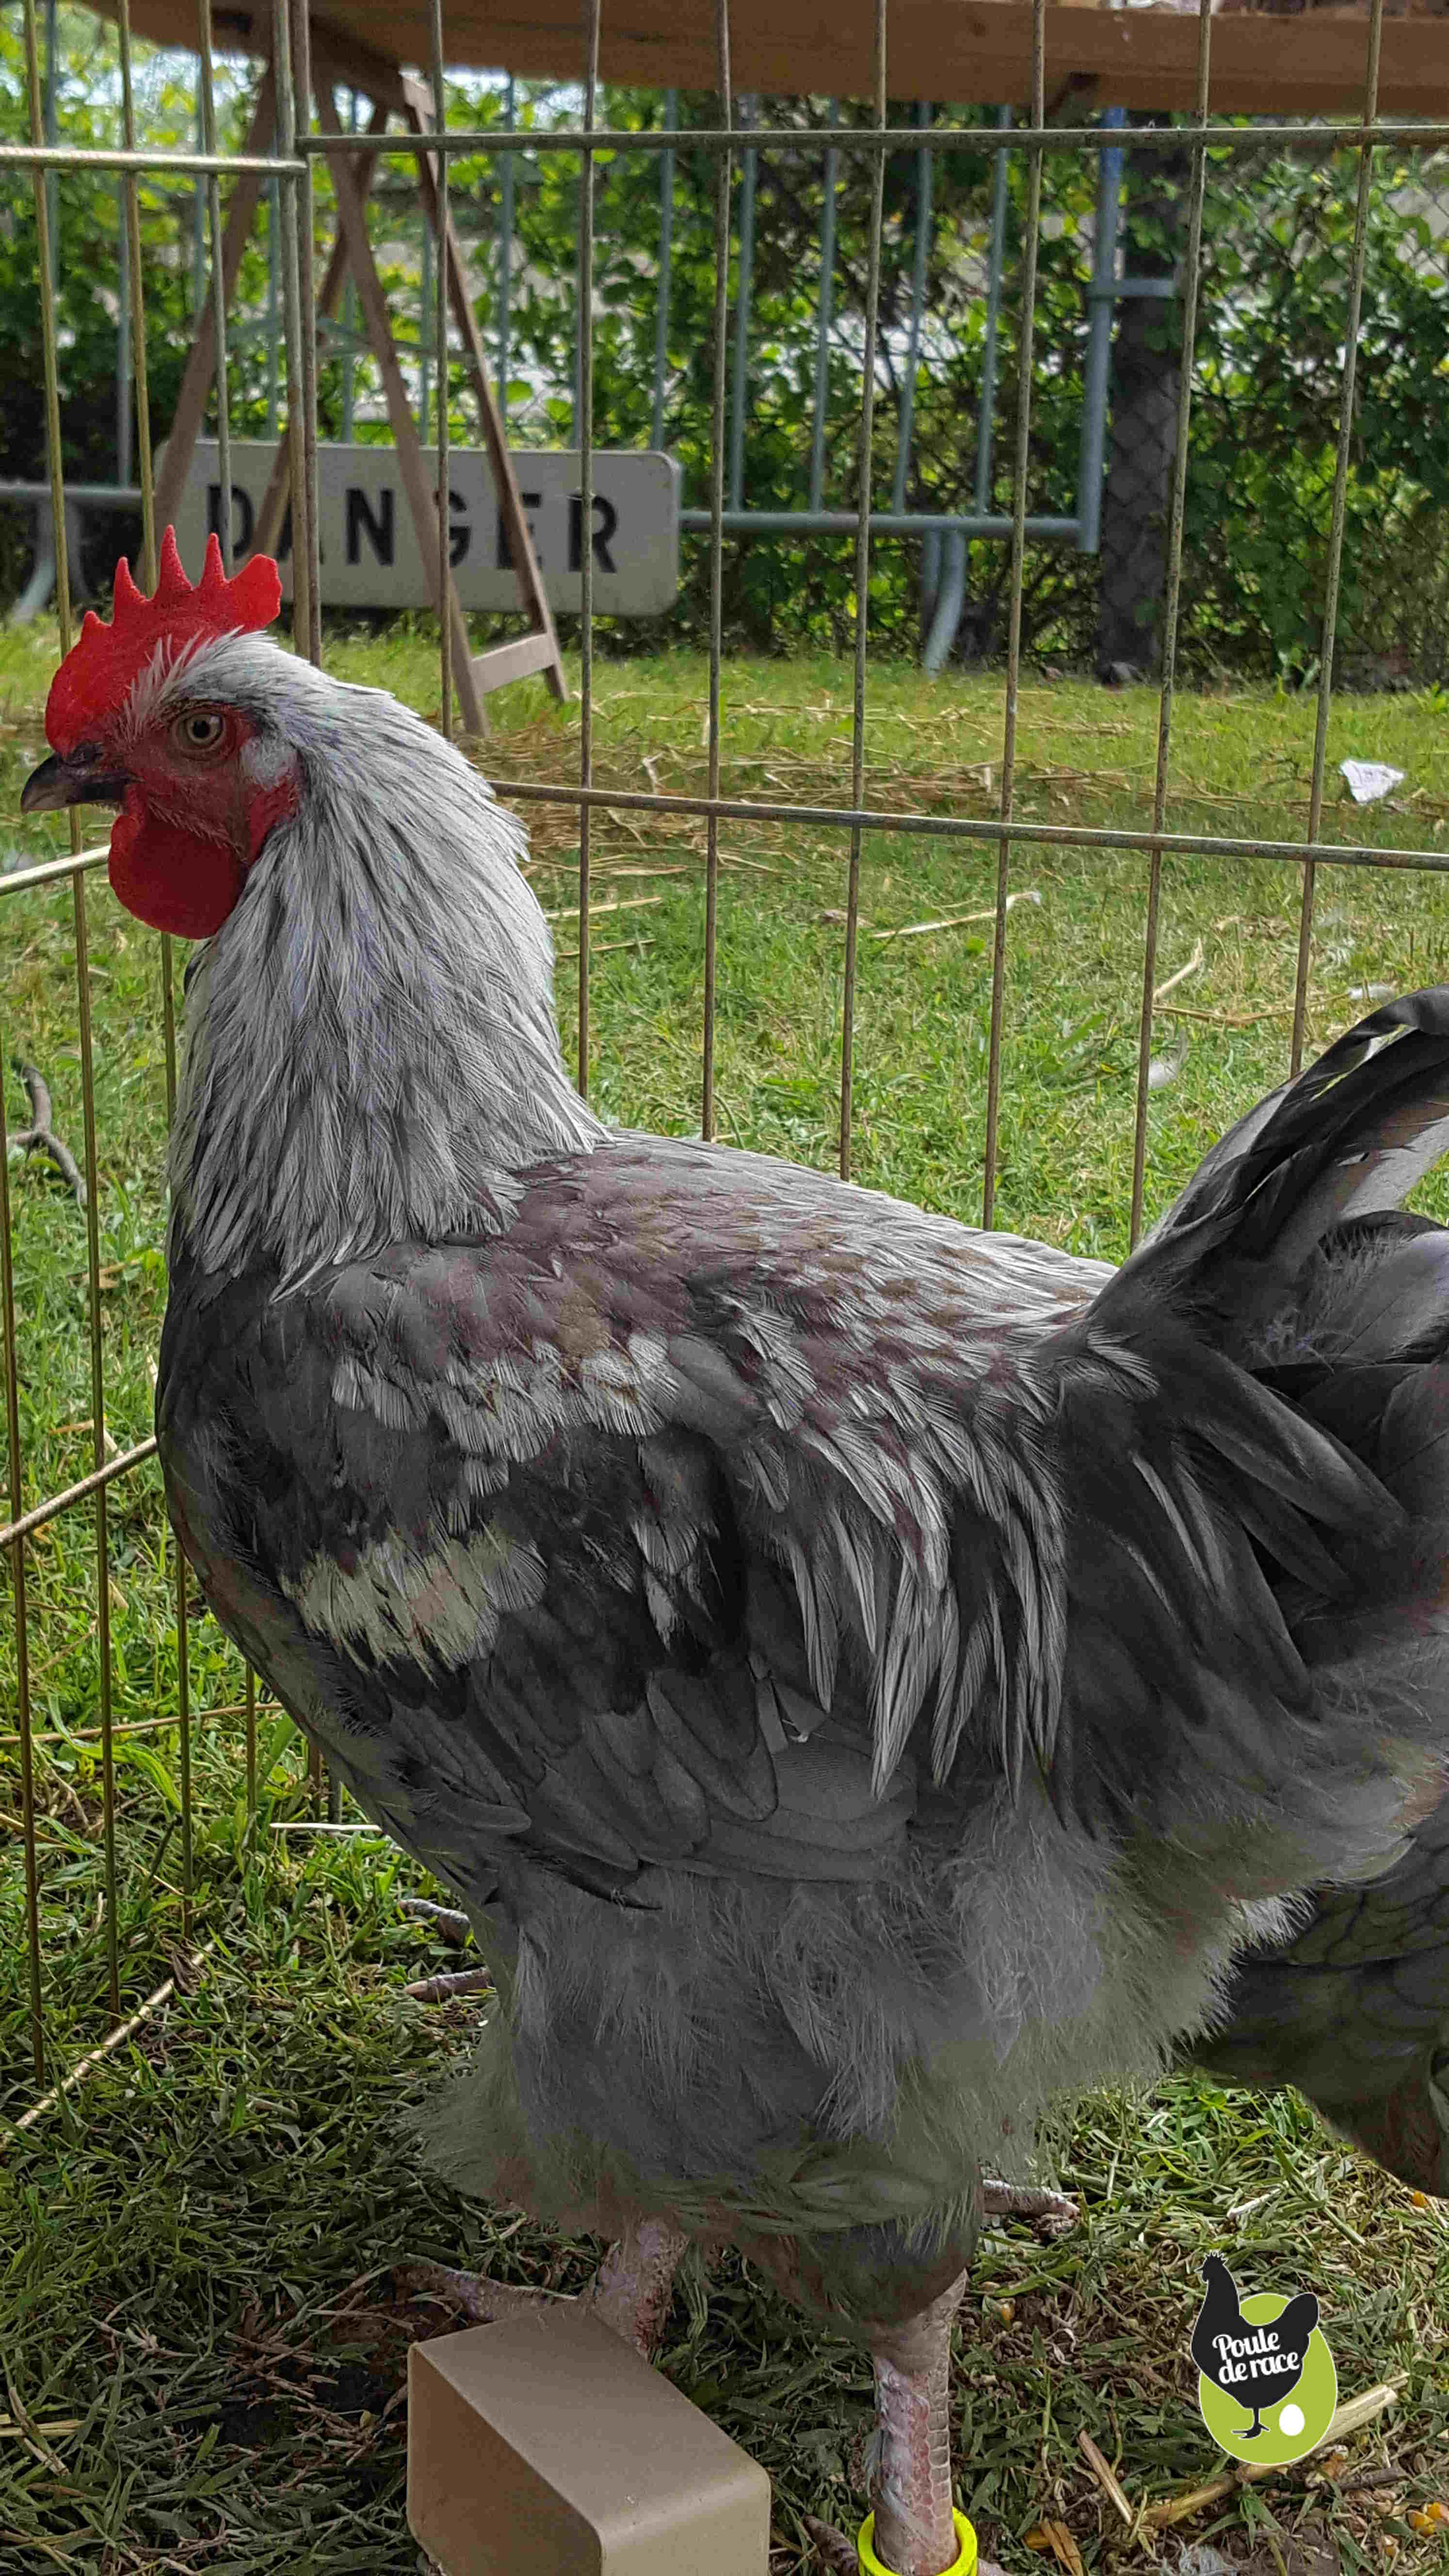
(521, 659)
(421, 499)
(531, 591)
(979, 51)
(196, 384)
(339, 57)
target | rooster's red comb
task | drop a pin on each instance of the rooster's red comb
(97, 672)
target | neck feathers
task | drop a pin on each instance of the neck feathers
(371, 1048)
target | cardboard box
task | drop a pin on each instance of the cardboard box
(545, 2447)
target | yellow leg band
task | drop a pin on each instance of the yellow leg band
(963, 2564)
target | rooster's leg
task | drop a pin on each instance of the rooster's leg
(470, 2296)
(449, 1922)
(630, 2291)
(448, 1982)
(633, 2286)
(915, 2531)
(1051, 2211)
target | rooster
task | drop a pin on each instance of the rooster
(861, 1677)
(1353, 2009)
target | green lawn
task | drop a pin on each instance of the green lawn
(173, 2247)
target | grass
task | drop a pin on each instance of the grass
(177, 2239)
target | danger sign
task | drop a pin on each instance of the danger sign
(370, 552)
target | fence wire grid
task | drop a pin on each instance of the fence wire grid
(1199, 151)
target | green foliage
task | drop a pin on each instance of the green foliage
(1278, 238)
(86, 222)
(1265, 435)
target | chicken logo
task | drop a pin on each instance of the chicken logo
(1268, 2387)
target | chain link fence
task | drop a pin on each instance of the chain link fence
(1280, 210)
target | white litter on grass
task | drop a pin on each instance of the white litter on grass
(1368, 780)
(1192, 967)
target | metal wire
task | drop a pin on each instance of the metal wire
(1335, 539)
(1170, 615)
(823, 321)
(508, 189)
(862, 608)
(744, 298)
(81, 935)
(291, 318)
(1025, 347)
(22, 1626)
(306, 524)
(218, 284)
(986, 413)
(187, 165)
(137, 284)
(586, 519)
(105, 1474)
(445, 523)
(1250, 140)
(919, 270)
(666, 272)
(1107, 837)
(723, 187)
(149, 565)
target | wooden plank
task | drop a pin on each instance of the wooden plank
(421, 499)
(268, 528)
(1310, 64)
(196, 384)
(520, 659)
(500, 462)
(339, 57)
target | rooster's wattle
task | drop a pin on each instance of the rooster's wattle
(861, 1676)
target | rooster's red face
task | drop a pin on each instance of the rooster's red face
(198, 786)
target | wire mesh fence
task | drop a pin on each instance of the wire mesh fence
(959, 262)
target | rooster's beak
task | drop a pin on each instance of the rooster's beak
(81, 780)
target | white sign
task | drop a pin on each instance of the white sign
(370, 552)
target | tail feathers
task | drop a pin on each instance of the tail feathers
(1413, 1451)
(1252, 1427)
(1351, 1136)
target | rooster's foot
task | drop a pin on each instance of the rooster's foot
(630, 2292)
(451, 1981)
(832, 2548)
(449, 1922)
(452, 1926)
(634, 2284)
(1050, 2211)
(469, 2296)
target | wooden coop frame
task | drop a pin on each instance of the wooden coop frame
(1262, 63)
(1266, 59)
(392, 92)
(1100, 56)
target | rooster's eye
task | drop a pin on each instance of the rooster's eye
(200, 732)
